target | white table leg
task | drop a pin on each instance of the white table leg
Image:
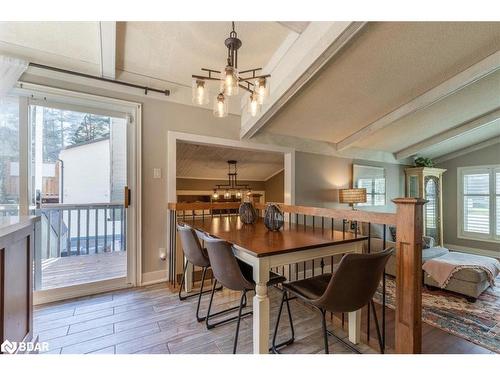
(261, 308)
(355, 327)
(188, 281)
(355, 316)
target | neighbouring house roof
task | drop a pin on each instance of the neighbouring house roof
(87, 143)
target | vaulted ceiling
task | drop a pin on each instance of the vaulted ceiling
(401, 89)
(389, 65)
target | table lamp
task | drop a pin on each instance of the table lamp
(352, 196)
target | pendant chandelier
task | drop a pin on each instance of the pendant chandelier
(230, 81)
(232, 185)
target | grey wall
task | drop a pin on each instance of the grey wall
(275, 188)
(318, 179)
(486, 156)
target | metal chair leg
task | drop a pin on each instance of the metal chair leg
(199, 296)
(242, 299)
(212, 325)
(325, 332)
(379, 336)
(274, 347)
(194, 294)
(182, 298)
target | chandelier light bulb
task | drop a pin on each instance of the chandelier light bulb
(238, 194)
(230, 81)
(253, 105)
(215, 195)
(227, 195)
(220, 106)
(200, 92)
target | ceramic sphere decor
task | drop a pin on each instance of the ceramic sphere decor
(247, 212)
(273, 217)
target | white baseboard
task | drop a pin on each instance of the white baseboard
(155, 277)
(472, 250)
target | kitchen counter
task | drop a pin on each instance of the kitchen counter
(11, 224)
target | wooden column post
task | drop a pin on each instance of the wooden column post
(408, 319)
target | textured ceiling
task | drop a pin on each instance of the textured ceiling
(169, 51)
(69, 45)
(173, 51)
(386, 66)
(471, 102)
(200, 161)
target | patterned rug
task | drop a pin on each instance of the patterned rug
(477, 322)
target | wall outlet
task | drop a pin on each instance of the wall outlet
(162, 252)
(156, 172)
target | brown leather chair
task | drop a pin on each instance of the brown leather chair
(227, 271)
(197, 256)
(348, 288)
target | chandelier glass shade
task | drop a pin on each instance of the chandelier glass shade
(232, 187)
(230, 80)
(253, 106)
(200, 92)
(220, 106)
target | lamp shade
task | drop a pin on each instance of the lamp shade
(352, 196)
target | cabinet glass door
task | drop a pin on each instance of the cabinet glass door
(431, 208)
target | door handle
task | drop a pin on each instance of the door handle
(127, 202)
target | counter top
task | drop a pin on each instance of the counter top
(11, 224)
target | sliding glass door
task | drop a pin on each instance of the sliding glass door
(78, 179)
(71, 159)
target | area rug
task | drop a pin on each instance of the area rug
(477, 322)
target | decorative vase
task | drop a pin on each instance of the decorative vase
(247, 212)
(273, 217)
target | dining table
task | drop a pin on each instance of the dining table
(264, 250)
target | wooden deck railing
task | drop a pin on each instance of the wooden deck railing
(408, 223)
(82, 229)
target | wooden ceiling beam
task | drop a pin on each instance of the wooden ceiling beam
(448, 87)
(457, 131)
(107, 49)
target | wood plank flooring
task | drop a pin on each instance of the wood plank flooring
(152, 320)
(73, 270)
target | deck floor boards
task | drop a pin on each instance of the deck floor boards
(73, 270)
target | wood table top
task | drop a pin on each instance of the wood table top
(260, 242)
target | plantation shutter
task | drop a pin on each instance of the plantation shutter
(476, 190)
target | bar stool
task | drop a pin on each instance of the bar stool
(348, 288)
(228, 272)
(197, 256)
